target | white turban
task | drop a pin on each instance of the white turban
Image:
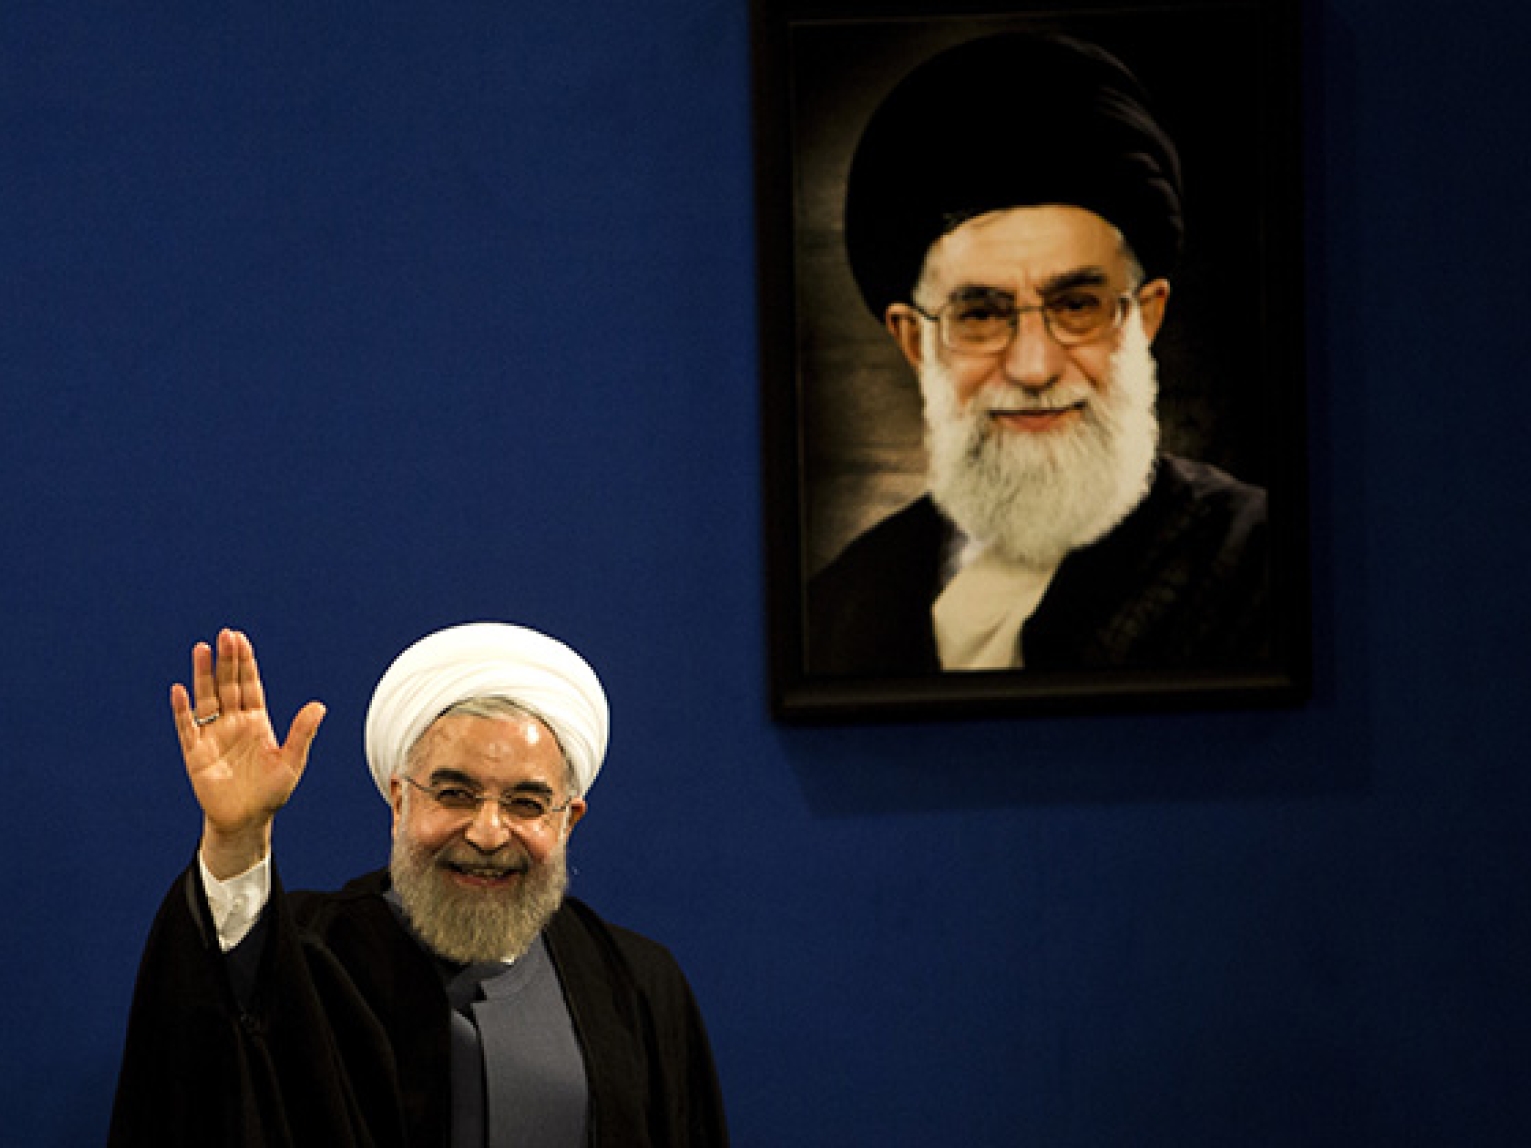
(488, 659)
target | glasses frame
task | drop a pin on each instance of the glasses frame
(509, 814)
(1124, 302)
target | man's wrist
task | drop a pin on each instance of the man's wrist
(227, 855)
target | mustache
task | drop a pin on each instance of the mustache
(1002, 399)
(502, 862)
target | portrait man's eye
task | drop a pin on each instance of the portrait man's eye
(984, 311)
(1077, 304)
(1077, 311)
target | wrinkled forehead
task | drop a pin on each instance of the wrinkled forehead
(1027, 251)
(503, 748)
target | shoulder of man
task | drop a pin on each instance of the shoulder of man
(869, 609)
(359, 928)
(1197, 521)
(1210, 517)
(577, 932)
(360, 898)
(1182, 581)
(918, 528)
(1201, 481)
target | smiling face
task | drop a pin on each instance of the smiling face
(480, 885)
(1038, 447)
(1035, 256)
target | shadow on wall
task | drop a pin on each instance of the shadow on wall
(1107, 760)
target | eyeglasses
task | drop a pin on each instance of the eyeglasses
(984, 322)
(462, 801)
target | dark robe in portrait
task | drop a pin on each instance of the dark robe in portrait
(1182, 582)
(340, 1034)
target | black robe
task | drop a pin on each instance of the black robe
(1182, 582)
(341, 1037)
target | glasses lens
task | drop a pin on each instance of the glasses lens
(455, 799)
(527, 808)
(1080, 314)
(462, 801)
(978, 324)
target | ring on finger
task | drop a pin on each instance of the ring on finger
(208, 720)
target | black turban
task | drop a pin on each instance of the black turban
(1005, 121)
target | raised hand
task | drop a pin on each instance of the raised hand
(240, 773)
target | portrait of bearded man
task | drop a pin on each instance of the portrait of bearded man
(1023, 267)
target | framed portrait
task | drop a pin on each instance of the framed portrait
(1030, 291)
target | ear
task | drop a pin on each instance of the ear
(396, 802)
(903, 323)
(576, 811)
(1153, 298)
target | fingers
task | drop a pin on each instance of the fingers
(301, 734)
(181, 710)
(221, 683)
(203, 683)
(251, 695)
(231, 645)
(228, 683)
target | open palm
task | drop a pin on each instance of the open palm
(241, 774)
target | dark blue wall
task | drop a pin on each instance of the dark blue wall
(340, 323)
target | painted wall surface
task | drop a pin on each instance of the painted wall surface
(340, 323)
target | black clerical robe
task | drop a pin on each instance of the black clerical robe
(341, 1038)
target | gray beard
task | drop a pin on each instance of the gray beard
(473, 925)
(1035, 497)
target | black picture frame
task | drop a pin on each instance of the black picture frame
(841, 429)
